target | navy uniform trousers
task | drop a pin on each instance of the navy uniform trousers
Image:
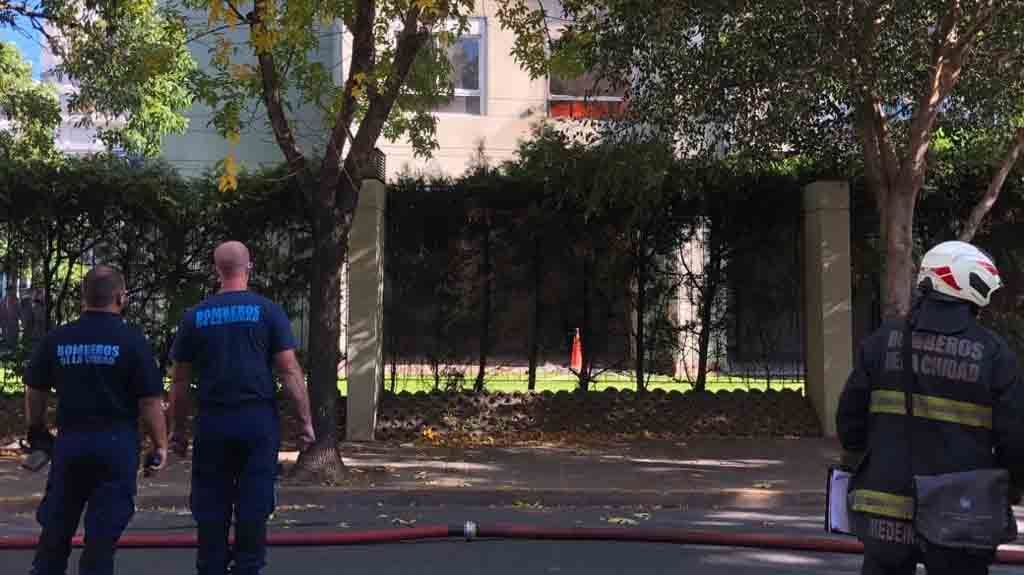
(234, 471)
(95, 468)
(900, 551)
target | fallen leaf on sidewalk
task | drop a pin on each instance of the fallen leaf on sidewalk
(621, 521)
(430, 434)
(525, 505)
(763, 485)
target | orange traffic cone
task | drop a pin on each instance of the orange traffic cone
(576, 355)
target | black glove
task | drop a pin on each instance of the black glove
(39, 446)
(850, 460)
(40, 439)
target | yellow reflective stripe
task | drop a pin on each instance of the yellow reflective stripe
(881, 503)
(891, 402)
(934, 408)
(951, 411)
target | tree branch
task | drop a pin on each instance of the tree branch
(205, 33)
(995, 186)
(410, 40)
(982, 17)
(235, 10)
(271, 92)
(944, 71)
(874, 171)
(886, 149)
(363, 56)
(23, 10)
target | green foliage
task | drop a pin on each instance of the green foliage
(32, 109)
(61, 216)
(302, 38)
(129, 60)
(763, 76)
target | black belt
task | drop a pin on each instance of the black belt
(93, 425)
(221, 408)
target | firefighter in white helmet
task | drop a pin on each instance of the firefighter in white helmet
(965, 395)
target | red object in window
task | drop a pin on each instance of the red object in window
(580, 109)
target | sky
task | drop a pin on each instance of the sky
(30, 48)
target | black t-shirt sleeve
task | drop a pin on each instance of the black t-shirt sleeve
(40, 372)
(281, 338)
(147, 379)
(183, 350)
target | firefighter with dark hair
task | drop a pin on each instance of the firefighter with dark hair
(105, 376)
(966, 413)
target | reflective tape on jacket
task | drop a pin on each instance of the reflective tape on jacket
(882, 503)
(934, 408)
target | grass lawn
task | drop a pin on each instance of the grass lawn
(558, 382)
(554, 382)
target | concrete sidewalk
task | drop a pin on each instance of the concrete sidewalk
(739, 473)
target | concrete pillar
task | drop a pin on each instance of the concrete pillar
(828, 320)
(365, 306)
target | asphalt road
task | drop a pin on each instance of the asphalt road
(502, 558)
(495, 557)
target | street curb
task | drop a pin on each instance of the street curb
(753, 499)
(500, 496)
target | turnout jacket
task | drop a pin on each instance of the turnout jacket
(968, 406)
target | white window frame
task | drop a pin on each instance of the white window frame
(477, 29)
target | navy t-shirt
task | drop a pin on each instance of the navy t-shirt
(99, 367)
(231, 339)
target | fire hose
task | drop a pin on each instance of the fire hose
(470, 531)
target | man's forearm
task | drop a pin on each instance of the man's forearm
(181, 405)
(294, 384)
(35, 408)
(153, 418)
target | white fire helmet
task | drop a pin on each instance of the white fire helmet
(962, 271)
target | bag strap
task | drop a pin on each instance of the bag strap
(908, 380)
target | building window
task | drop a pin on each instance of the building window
(467, 58)
(583, 97)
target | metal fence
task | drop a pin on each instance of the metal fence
(455, 255)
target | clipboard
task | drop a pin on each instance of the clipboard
(837, 486)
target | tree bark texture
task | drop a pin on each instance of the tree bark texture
(485, 299)
(995, 186)
(533, 342)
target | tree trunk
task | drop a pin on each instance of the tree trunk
(709, 288)
(898, 231)
(584, 375)
(322, 462)
(535, 309)
(640, 308)
(485, 302)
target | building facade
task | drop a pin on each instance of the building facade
(495, 105)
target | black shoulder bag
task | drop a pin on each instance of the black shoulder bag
(966, 510)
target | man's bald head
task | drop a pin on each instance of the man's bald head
(103, 287)
(231, 259)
